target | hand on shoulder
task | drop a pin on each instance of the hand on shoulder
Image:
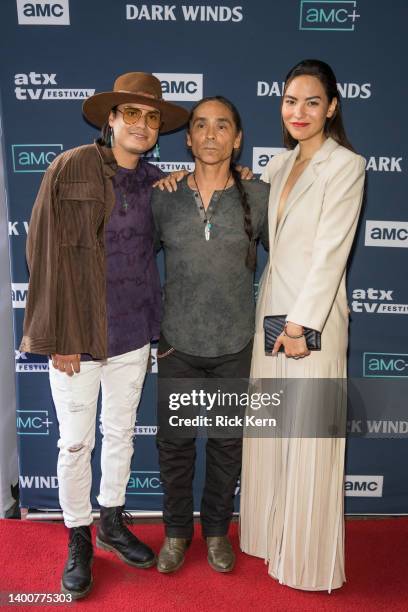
(273, 165)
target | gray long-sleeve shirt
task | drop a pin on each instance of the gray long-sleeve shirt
(209, 306)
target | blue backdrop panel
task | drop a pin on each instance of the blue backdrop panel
(59, 51)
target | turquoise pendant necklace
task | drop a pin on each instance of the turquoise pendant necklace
(207, 220)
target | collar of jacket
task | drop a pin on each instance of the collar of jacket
(110, 164)
(323, 153)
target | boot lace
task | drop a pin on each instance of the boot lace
(122, 516)
(79, 546)
(121, 519)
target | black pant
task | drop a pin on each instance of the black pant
(177, 455)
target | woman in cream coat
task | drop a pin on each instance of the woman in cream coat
(292, 487)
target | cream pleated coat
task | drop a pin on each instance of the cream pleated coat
(292, 488)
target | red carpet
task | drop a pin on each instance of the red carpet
(32, 557)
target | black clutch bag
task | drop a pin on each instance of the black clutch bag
(274, 326)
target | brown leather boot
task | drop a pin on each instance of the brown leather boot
(221, 557)
(171, 555)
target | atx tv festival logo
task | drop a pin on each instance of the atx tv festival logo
(33, 423)
(43, 12)
(174, 166)
(35, 86)
(34, 157)
(153, 360)
(28, 363)
(363, 486)
(262, 155)
(385, 365)
(144, 482)
(145, 430)
(186, 12)
(386, 234)
(376, 301)
(332, 15)
(182, 86)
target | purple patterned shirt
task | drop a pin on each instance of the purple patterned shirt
(133, 291)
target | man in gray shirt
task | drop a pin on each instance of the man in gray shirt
(208, 229)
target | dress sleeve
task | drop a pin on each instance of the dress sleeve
(332, 245)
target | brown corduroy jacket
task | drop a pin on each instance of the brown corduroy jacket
(66, 302)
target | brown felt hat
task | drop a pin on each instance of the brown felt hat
(136, 87)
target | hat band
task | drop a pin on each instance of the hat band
(138, 93)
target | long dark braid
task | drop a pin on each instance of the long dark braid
(250, 260)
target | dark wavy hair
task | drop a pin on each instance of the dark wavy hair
(334, 126)
(250, 260)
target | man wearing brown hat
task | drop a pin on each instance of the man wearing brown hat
(94, 305)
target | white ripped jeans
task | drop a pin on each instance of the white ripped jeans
(75, 398)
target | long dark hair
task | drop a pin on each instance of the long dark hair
(105, 139)
(250, 260)
(334, 126)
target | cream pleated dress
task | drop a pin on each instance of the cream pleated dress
(292, 487)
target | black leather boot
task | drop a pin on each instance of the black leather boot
(113, 535)
(77, 576)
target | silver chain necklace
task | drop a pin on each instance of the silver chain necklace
(207, 220)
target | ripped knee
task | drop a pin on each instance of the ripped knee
(75, 447)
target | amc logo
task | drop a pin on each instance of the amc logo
(43, 12)
(144, 482)
(34, 157)
(261, 156)
(363, 486)
(19, 294)
(334, 15)
(385, 365)
(386, 234)
(33, 423)
(185, 87)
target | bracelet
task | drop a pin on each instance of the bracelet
(292, 337)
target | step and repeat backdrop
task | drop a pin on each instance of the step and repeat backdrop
(58, 52)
